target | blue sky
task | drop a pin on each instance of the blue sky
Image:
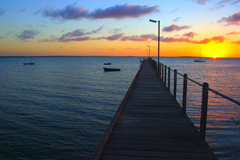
(27, 26)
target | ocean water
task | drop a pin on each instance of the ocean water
(60, 107)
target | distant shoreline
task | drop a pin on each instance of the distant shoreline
(121, 56)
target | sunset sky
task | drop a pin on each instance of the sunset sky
(119, 28)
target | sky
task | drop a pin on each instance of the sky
(207, 28)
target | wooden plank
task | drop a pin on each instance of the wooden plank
(151, 125)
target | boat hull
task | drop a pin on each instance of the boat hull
(199, 61)
(30, 63)
(107, 63)
(111, 69)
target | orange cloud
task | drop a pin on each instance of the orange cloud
(233, 33)
(217, 39)
(236, 42)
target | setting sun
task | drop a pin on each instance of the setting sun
(215, 50)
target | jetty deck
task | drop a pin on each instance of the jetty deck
(150, 125)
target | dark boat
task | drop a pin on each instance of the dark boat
(111, 69)
(199, 60)
(107, 63)
(30, 63)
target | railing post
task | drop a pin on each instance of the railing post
(165, 75)
(203, 122)
(175, 84)
(169, 71)
(155, 67)
(162, 71)
(184, 98)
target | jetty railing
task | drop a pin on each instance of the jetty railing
(165, 76)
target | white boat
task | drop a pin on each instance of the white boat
(199, 60)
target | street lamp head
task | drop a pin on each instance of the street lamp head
(151, 20)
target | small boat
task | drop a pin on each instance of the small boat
(30, 63)
(199, 60)
(111, 69)
(107, 63)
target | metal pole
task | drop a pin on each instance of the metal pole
(158, 42)
(184, 100)
(203, 122)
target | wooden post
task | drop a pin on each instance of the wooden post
(175, 84)
(162, 71)
(203, 122)
(184, 98)
(165, 76)
(169, 77)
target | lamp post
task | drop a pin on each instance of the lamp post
(149, 51)
(154, 21)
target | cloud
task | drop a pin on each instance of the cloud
(2, 11)
(190, 34)
(115, 37)
(123, 11)
(172, 39)
(27, 34)
(142, 38)
(233, 33)
(22, 10)
(174, 27)
(232, 2)
(236, 42)
(175, 10)
(112, 49)
(177, 19)
(117, 30)
(217, 39)
(71, 12)
(201, 1)
(78, 33)
(75, 39)
(51, 39)
(231, 20)
(132, 48)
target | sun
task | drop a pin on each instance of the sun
(215, 50)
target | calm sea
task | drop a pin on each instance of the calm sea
(60, 107)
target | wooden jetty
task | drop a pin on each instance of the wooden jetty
(151, 125)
